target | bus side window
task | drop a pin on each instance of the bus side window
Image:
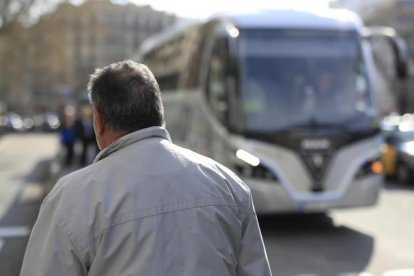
(216, 82)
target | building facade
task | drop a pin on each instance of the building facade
(62, 49)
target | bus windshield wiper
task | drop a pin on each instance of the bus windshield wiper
(344, 125)
(311, 124)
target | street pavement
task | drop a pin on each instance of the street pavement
(352, 242)
(25, 170)
(377, 241)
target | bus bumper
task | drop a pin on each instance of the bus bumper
(272, 197)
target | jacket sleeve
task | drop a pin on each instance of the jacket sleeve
(50, 250)
(253, 259)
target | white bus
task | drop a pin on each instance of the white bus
(284, 98)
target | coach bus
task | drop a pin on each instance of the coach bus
(284, 98)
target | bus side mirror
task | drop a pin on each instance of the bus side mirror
(402, 54)
(400, 51)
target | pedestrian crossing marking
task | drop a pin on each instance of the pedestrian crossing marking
(14, 232)
(400, 272)
(395, 272)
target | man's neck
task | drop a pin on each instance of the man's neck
(109, 137)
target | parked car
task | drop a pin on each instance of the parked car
(47, 121)
(398, 151)
(10, 122)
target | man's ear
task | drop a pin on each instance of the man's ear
(99, 122)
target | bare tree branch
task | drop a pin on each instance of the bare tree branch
(11, 10)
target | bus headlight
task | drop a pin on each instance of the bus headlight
(251, 167)
(372, 167)
(248, 158)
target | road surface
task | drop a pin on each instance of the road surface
(376, 241)
(24, 174)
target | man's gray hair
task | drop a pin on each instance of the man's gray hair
(127, 95)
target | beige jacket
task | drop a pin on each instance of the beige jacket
(147, 207)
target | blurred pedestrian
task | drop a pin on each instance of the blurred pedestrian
(67, 134)
(86, 134)
(146, 206)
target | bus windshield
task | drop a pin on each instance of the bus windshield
(292, 78)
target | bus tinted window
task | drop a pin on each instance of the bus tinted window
(313, 76)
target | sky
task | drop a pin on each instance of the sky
(203, 9)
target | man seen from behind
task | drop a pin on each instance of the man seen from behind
(145, 206)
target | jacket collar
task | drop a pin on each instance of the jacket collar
(131, 138)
